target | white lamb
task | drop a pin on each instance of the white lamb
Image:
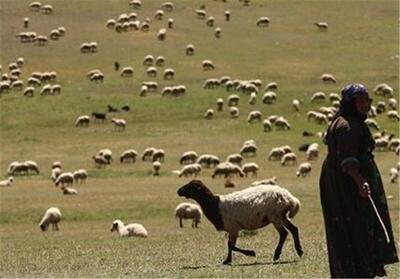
(128, 230)
(7, 182)
(187, 210)
(69, 190)
(51, 216)
(249, 209)
(304, 169)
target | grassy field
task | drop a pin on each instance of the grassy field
(360, 46)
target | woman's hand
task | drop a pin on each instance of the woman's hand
(364, 189)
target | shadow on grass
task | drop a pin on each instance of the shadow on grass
(237, 265)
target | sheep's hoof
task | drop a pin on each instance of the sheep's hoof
(276, 258)
(300, 252)
(227, 262)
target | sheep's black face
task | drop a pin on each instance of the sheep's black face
(114, 227)
(43, 228)
(191, 190)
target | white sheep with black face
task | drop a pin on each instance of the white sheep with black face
(249, 209)
(129, 230)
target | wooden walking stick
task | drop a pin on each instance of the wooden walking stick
(377, 215)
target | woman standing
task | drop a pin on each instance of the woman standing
(357, 246)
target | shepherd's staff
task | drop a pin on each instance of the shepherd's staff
(377, 214)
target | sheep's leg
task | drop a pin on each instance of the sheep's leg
(282, 238)
(180, 222)
(231, 244)
(295, 232)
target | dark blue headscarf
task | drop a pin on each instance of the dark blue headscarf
(349, 92)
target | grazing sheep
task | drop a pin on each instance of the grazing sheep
(159, 15)
(106, 154)
(69, 190)
(99, 116)
(227, 169)
(253, 98)
(304, 169)
(82, 121)
(148, 154)
(392, 103)
(170, 23)
(372, 124)
(100, 161)
(322, 26)
(208, 160)
(156, 168)
(328, 78)
(217, 32)
(128, 230)
(167, 6)
(32, 166)
(383, 89)
(227, 15)
(189, 50)
(234, 112)
(151, 72)
(126, 72)
(210, 21)
(318, 96)
(269, 97)
(35, 6)
(250, 167)
(169, 74)
(29, 91)
(249, 209)
(220, 104)
(282, 123)
(187, 210)
(393, 115)
(51, 216)
(263, 21)
(160, 61)
(65, 178)
(208, 65)
(158, 155)
(119, 124)
(200, 13)
(312, 151)
(189, 170)
(7, 182)
(209, 114)
(148, 60)
(162, 34)
(80, 176)
(125, 108)
(235, 158)
(267, 125)
(46, 9)
(128, 156)
(394, 174)
(296, 105)
(135, 4)
(289, 158)
(188, 157)
(55, 173)
(233, 100)
(248, 150)
(276, 153)
(254, 115)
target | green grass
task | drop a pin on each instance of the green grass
(363, 37)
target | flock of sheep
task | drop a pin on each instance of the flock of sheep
(274, 204)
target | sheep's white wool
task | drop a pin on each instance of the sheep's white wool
(248, 208)
(51, 216)
(129, 230)
(186, 210)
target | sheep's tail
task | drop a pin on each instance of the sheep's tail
(294, 207)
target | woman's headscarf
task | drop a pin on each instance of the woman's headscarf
(348, 108)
